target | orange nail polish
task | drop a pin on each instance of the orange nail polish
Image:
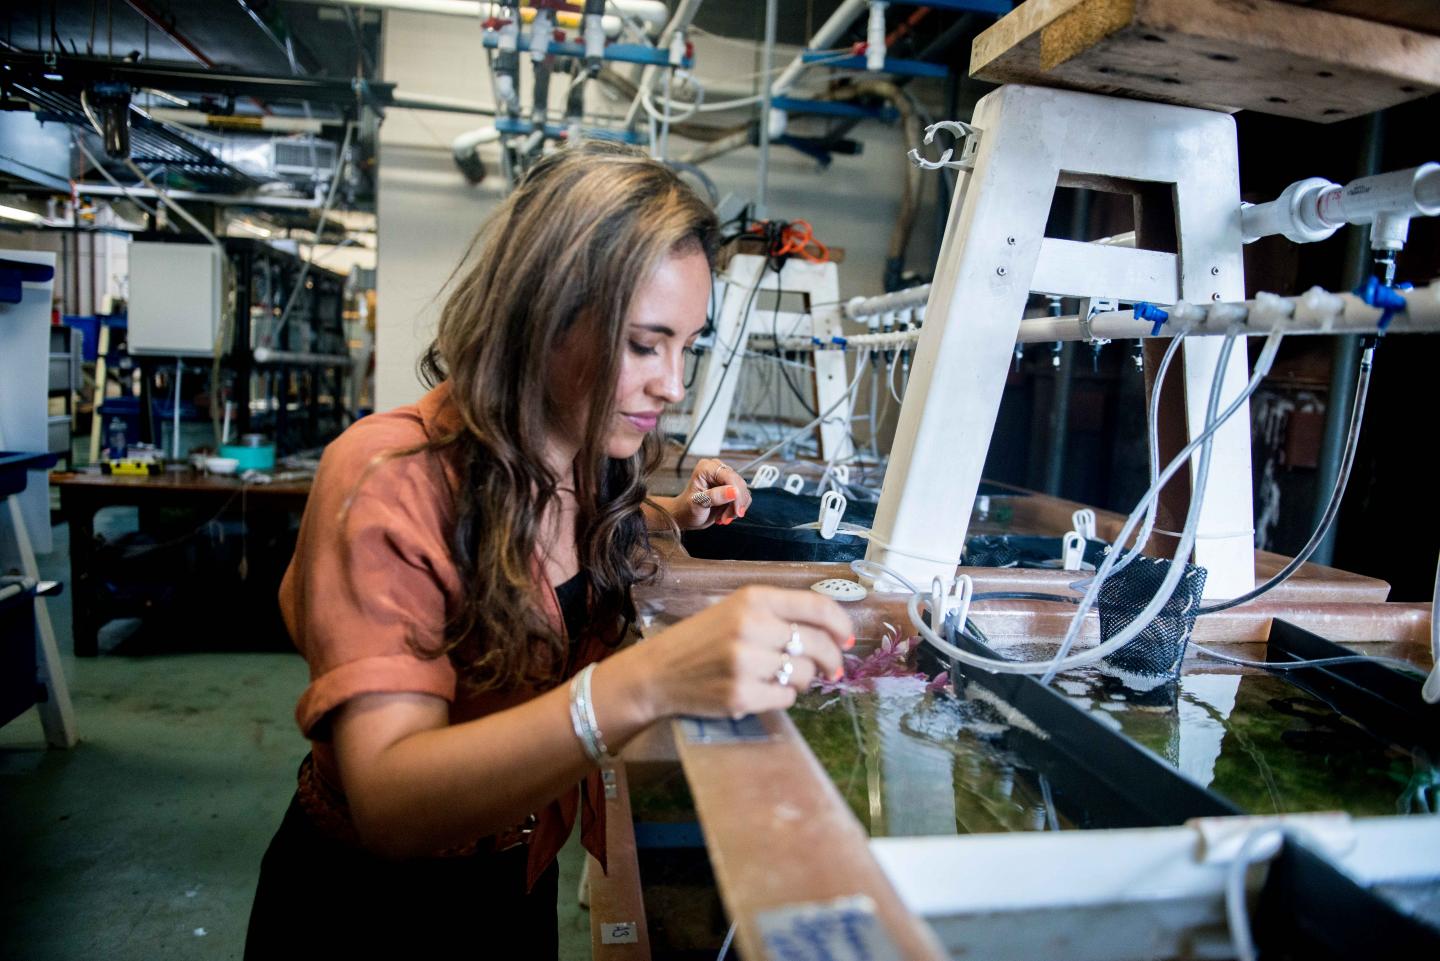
(731, 492)
(850, 643)
(740, 512)
(725, 520)
(839, 673)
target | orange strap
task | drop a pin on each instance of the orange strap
(797, 238)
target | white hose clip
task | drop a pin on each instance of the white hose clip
(794, 483)
(1073, 554)
(842, 474)
(962, 132)
(832, 509)
(942, 604)
(765, 476)
(1084, 522)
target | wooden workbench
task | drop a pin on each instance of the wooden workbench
(82, 495)
(1324, 61)
(777, 830)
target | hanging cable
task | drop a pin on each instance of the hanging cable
(724, 370)
(1061, 661)
(1337, 494)
(340, 160)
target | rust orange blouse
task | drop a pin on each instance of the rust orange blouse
(361, 598)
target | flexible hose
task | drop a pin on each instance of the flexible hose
(1337, 494)
(1062, 660)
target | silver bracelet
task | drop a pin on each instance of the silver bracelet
(582, 718)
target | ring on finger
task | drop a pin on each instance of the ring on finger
(794, 647)
(785, 671)
(701, 499)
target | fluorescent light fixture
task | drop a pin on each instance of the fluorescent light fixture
(15, 213)
(254, 229)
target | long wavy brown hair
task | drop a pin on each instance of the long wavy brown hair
(561, 257)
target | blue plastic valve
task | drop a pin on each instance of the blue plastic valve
(1145, 311)
(1386, 299)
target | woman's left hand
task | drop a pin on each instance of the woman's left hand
(716, 494)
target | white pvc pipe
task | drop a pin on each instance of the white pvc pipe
(651, 12)
(684, 13)
(859, 308)
(1314, 312)
(825, 36)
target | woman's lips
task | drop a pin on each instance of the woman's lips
(643, 422)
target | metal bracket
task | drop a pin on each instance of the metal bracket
(963, 133)
(1088, 309)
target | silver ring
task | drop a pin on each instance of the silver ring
(701, 499)
(784, 671)
(794, 647)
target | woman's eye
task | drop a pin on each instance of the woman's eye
(643, 350)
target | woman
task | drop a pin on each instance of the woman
(461, 558)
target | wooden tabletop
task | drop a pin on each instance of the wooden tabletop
(176, 482)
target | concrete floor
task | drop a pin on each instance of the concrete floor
(144, 841)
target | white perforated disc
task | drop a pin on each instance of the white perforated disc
(840, 589)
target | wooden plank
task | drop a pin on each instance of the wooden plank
(1008, 623)
(779, 834)
(616, 897)
(1423, 15)
(693, 587)
(1269, 56)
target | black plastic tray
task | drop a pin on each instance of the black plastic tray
(1113, 780)
(1376, 697)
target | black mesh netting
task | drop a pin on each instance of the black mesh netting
(1156, 652)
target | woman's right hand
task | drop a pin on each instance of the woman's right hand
(725, 660)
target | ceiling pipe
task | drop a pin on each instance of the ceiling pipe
(684, 13)
(653, 13)
(241, 122)
(829, 32)
(425, 101)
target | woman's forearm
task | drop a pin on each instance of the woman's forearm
(417, 785)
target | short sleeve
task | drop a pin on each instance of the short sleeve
(365, 596)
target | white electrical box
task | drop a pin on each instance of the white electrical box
(175, 298)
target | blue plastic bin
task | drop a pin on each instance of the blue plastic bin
(15, 467)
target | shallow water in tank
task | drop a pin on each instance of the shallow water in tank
(914, 763)
(1262, 742)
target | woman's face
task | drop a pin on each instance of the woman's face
(667, 313)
